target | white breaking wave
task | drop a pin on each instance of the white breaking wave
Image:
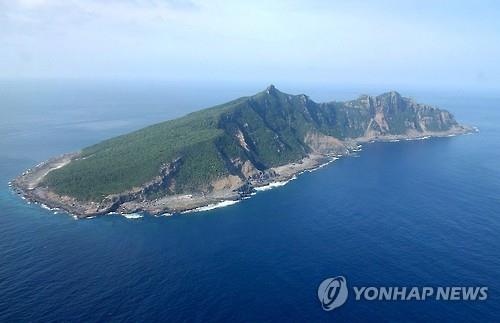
(133, 216)
(212, 206)
(418, 138)
(43, 206)
(249, 196)
(320, 166)
(272, 185)
(162, 215)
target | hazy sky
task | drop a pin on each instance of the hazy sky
(432, 43)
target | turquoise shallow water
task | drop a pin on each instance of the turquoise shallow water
(420, 213)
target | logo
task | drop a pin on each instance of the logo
(332, 293)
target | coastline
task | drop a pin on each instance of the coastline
(25, 185)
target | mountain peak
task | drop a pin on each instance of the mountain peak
(391, 94)
(271, 89)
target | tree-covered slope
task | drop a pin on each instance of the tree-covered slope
(237, 138)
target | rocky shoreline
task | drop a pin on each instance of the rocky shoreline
(26, 184)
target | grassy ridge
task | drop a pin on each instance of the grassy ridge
(130, 160)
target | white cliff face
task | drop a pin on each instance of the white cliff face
(392, 114)
(241, 140)
(323, 144)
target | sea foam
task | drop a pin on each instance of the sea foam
(162, 215)
(212, 206)
(133, 216)
(272, 185)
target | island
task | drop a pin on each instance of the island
(224, 153)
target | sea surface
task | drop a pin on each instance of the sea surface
(409, 213)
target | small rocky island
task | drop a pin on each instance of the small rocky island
(224, 153)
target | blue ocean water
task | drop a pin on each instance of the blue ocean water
(419, 213)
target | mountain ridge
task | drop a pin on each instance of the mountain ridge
(225, 151)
